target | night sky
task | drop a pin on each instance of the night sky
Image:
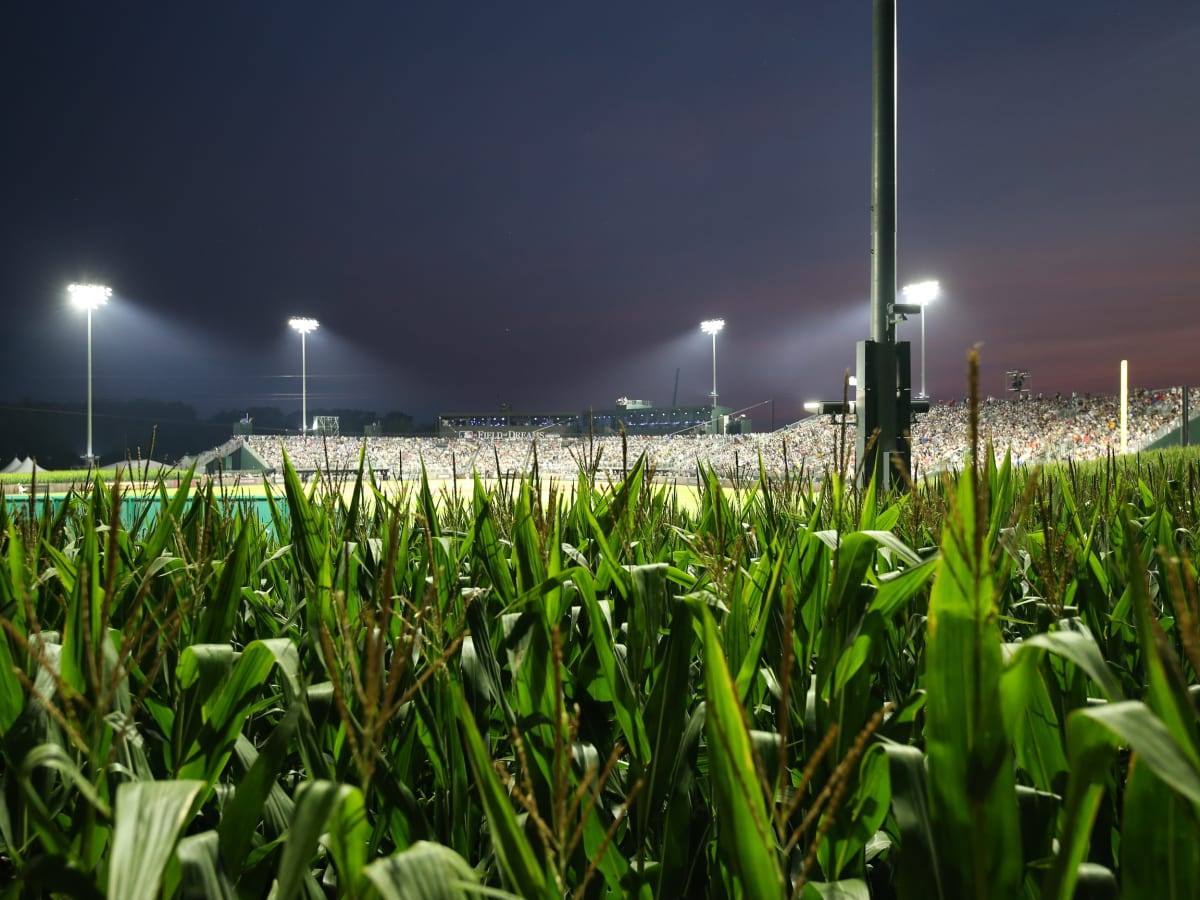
(536, 204)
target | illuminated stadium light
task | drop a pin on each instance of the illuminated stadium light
(89, 297)
(712, 326)
(304, 325)
(922, 294)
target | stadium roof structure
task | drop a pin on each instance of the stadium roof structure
(141, 466)
(235, 455)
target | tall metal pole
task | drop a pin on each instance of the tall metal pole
(1124, 406)
(877, 396)
(924, 313)
(714, 390)
(883, 174)
(90, 458)
(303, 383)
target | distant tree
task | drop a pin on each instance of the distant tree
(54, 432)
(396, 422)
(266, 419)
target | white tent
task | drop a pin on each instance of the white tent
(11, 467)
(25, 467)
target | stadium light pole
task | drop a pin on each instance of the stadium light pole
(89, 297)
(713, 326)
(922, 293)
(303, 325)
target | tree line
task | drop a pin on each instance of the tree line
(54, 433)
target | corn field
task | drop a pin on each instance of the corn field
(983, 687)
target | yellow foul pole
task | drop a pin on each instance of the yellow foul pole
(1124, 406)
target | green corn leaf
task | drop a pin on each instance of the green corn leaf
(201, 874)
(349, 835)
(149, 817)
(745, 839)
(12, 694)
(425, 871)
(868, 807)
(763, 606)
(309, 538)
(972, 786)
(518, 863)
(647, 613)
(1166, 692)
(894, 593)
(845, 889)
(1159, 837)
(229, 693)
(1093, 735)
(55, 757)
(221, 608)
(1135, 724)
(666, 714)
(919, 867)
(625, 705)
(168, 519)
(488, 542)
(1030, 718)
(896, 547)
(527, 560)
(241, 816)
(322, 806)
(480, 666)
(1079, 647)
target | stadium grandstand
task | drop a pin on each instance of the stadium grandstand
(637, 417)
(1033, 429)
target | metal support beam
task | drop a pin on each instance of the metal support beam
(882, 415)
(883, 173)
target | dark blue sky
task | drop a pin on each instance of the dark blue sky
(538, 203)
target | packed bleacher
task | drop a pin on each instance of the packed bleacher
(1032, 429)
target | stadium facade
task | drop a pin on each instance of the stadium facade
(637, 418)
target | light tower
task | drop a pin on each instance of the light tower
(713, 326)
(922, 294)
(89, 297)
(303, 325)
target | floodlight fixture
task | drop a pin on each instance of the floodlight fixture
(89, 297)
(712, 326)
(305, 326)
(829, 407)
(922, 294)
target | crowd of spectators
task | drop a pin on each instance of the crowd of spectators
(1032, 429)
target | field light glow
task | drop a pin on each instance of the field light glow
(303, 324)
(922, 292)
(712, 326)
(89, 296)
